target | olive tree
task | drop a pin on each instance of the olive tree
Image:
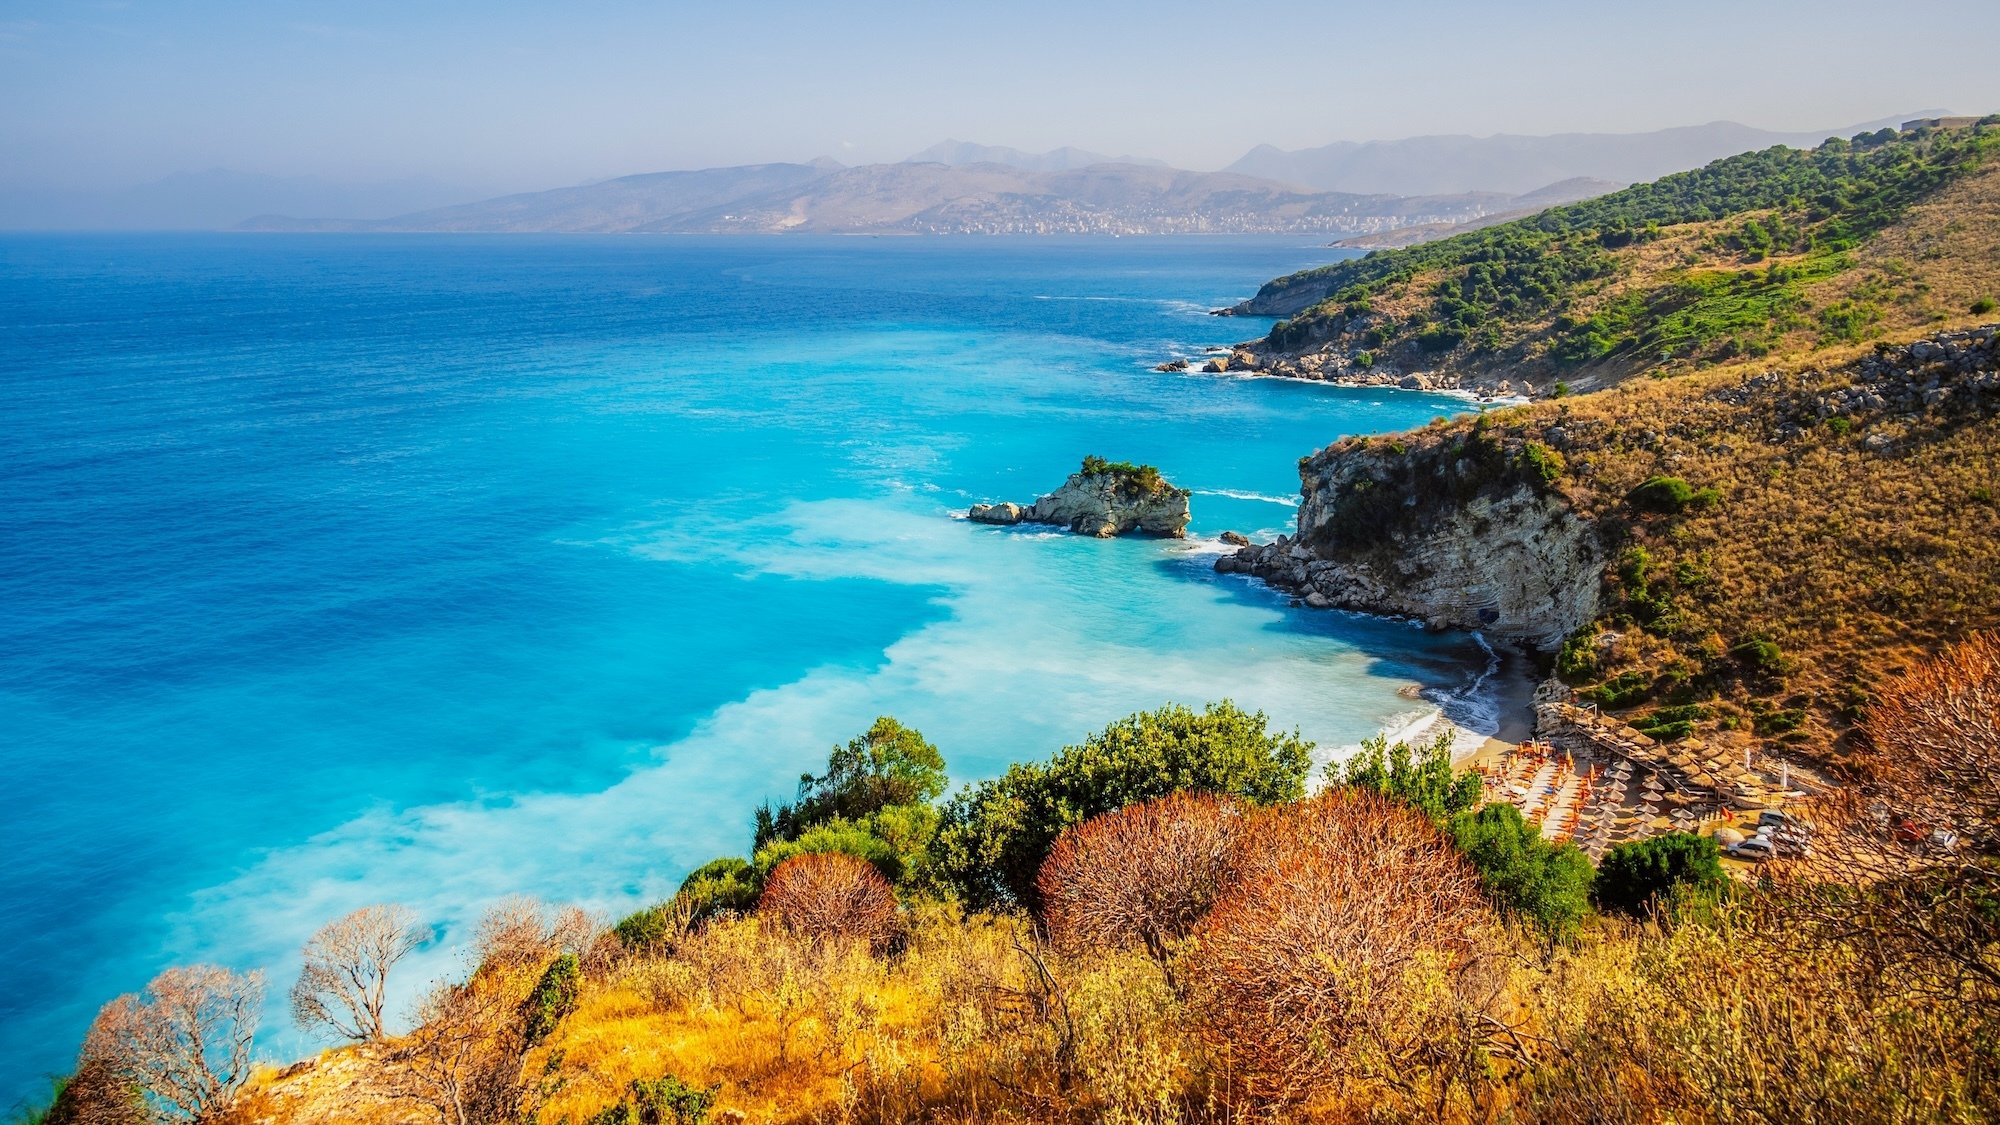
(345, 980)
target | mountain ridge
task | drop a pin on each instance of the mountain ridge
(1517, 163)
(934, 198)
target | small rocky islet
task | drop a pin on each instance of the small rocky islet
(1102, 499)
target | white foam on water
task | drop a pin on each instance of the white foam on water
(1240, 494)
(1058, 633)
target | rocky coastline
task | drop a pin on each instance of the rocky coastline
(1102, 499)
(1341, 369)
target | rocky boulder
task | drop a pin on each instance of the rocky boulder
(1005, 513)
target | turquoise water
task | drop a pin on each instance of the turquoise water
(344, 569)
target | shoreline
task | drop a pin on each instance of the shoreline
(1514, 704)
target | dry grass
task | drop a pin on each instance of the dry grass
(1943, 256)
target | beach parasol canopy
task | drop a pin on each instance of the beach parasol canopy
(1728, 837)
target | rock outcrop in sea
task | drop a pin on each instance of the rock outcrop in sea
(1103, 499)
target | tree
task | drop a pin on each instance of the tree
(1925, 914)
(831, 897)
(345, 980)
(1343, 947)
(523, 933)
(1144, 875)
(183, 1043)
(94, 1095)
(1546, 884)
(889, 765)
(462, 1061)
(996, 835)
(1639, 877)
(1936, 735)
(1420, 776)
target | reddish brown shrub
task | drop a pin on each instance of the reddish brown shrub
(1342, 947)
(1144, 875)
(831, 897)
(1937, 731)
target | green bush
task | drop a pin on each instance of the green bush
(1759, 655)
(1620, 691)
(996, 834)
(889, 765)
(895, 839)
(1577, 659)
(1547, 885)
(1669, 723)
(1135, 480)
(1840, 426)
(1419, 776)
(1671, 495)
(553, 999)
(1647, 875)
(1543, 464)
(662, 1101)
(726, 885)
(1982, 306)
(1771, 723)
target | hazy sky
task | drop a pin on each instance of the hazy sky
(502, 94)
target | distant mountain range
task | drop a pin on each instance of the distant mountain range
(1055, 160)
(938, 198)
(1511, 165)
(1383, 192)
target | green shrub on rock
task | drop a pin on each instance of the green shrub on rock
(553, 999)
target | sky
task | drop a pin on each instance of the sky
(503, 95)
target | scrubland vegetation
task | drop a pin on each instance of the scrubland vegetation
(1204, 941)
(1775, 250)
(1777, 551)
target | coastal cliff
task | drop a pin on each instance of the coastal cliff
(1748, 550)
(1463, 532)
(1102, 499)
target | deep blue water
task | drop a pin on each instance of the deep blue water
(336, 569)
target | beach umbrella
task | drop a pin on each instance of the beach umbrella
(1728, 837)
(1661, 823)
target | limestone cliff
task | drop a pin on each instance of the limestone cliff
(1459, 532)
(1102, 499)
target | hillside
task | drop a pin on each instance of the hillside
(1767, 253)
(1750, 551)
(940, 198)
(1506, 163)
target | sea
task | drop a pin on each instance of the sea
(342, 569)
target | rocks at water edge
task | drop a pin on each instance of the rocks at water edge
(1103, 498)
